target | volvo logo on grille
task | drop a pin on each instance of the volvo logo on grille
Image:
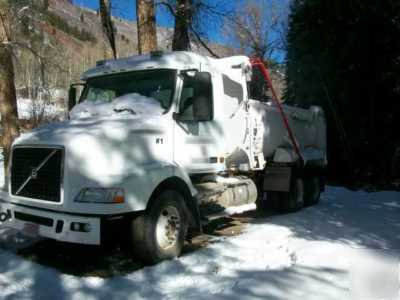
(34, 172)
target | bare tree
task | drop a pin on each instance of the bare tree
(146, 26)
(183, 21)
(38, 63)
(107, 25)
(190, 16)
(8, 99)
(17, 37)
(258, 28)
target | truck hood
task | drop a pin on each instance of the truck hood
(78, 133)
(102, 120)
(102, 151)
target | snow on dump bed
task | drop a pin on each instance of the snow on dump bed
(313, 254)
(129, 104)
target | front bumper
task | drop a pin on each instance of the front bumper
(49, 224)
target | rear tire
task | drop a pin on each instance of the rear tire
(159, 233)
(274, 200)
(293, 200)
(312, 190)
(262, 202)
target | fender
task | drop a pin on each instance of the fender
(165, 176)
(140, 188)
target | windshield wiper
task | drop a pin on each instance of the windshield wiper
(125, 109)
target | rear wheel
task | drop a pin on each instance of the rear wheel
(274, 200)
(160, 232)
(294, 199)
(263, 202)
(312, 190)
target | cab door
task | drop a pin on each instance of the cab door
(196, 132)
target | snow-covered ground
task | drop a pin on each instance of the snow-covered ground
(314, 254)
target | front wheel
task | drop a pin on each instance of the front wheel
(160, 232)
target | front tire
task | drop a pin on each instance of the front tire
(160, 232)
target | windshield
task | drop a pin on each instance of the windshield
(139, 92)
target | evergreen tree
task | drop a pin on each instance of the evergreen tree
(344, 56)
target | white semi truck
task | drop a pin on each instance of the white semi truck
(155, 144)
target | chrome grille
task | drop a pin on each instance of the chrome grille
(37, 173)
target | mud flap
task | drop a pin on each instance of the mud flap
(277, 178)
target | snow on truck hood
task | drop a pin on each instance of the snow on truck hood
(103, 147)
(129, 104)
(102, 120)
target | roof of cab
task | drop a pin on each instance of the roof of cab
(167, 60)
(179, 60)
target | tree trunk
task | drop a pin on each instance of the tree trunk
(146, 26)
(8, 105)
(8, 99)
(107, 25)
(183, 21)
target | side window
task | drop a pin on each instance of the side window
(232, 88)
(97, 94)
(196, 103)
(233, 95)
(163, 96)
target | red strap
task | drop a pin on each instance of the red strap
(256, 62)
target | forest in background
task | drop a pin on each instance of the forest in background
(345, 57)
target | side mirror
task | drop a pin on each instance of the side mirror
(203, 97)
(202, 109)
(175, 116)
(71, 97)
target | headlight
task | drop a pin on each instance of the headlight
(101, 195)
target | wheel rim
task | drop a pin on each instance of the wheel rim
(300, 192)
(168, 227)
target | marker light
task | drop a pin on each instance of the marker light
(101, 195)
